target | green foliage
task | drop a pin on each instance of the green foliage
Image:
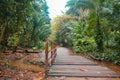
(84, 45)
(117, 42)
(12, 40)
(63, 37)
(61, 28)
(81, 42)
(23, 23)
(109, 55)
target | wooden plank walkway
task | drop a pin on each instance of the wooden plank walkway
(69, 67)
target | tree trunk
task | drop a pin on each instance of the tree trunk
(3, 32)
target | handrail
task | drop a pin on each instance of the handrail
(50, 53)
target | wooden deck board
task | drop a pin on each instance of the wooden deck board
(80, 78)
(79, 67)
(84, 75)
(75, 63)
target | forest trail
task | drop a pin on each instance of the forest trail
(71, 67)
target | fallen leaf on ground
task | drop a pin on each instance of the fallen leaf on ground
(85, 70)
(98, 72)
(62, 78)
(109, 75)
(37, 78)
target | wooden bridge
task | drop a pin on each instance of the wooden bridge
(69, 67)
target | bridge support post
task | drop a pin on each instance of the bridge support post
(46, 58)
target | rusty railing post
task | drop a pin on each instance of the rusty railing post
(46, 57)
(51, 49)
